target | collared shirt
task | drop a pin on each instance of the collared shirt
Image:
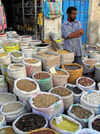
(73, 44)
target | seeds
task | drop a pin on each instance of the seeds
(60, 73)
(90, 62)
(96, 125)
(15, 66)
(31, 61)
(92, 98)
(44, 100)
(30, 122)
(4, 98)
(41, 75)
(0, 118)
(11, 107)
(16, 54)
(81, 112)
(43, 132)
(85, 82)
(76, 90)
(26, 85)
(61, 91)
(71, 67)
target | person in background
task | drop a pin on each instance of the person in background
(72, 31)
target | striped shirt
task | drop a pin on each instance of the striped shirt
(72, 44)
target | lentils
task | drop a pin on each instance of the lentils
(41, 75)
(11, 107)
(92, 98)
(26, 85)
(0, 118)
(90, 61)
(44, 100)
(71, 67)
(4, 98)
(61, 91)
(81, 112)
(85, 82)
(30, 122)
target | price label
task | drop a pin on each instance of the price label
(58, 119)
(52, 70)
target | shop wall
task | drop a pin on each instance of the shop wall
(52, 25)
(93, 31)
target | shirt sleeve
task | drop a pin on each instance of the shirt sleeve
(65, 31)
(79, 25)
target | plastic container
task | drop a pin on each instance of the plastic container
(12, 47)
(60, 80)
(44, 84)
(16, 73)
(94, 55)
(68, 100)
(32, 67)
(17, 59)
(29, 52)
(97, 72)
(21, 132)
(86, 88)
(73, 74)
(50, 111)
(61, 131)
(83, 122)
(23, 95)
(11, 116)
(23, 44)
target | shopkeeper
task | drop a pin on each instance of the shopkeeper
(72, 32)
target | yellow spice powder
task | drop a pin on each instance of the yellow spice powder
(66, 125)
(3, 54)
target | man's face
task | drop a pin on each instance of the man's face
(72, 16)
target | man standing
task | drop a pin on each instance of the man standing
(72, 32)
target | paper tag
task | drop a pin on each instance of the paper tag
(52, 70)
(58, 119)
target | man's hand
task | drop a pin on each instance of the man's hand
(81, 31)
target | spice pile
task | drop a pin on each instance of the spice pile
(11, 107)
(61, 91)
(81, 112)
(85, 82)
(15, 66)
(4, 98)
(43, 132)
(41, 76)
(96, 125)
(44, 100)
(26, 85)
(3, 54)
(76, 90)
(71, 67)
(90, 61)
(92, 98)
(31, 61)
(8, 130)
(59, 73)
(16, 54)
(30, 122)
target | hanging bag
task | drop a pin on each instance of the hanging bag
(52, 9)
